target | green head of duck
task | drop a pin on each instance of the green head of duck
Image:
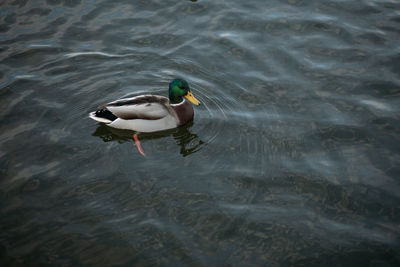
(178, 89)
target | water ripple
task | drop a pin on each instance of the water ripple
(94, 53)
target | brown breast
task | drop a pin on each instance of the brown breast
(184, 111)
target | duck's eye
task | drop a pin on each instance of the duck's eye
(180, 86)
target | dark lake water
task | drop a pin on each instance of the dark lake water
(293, 158)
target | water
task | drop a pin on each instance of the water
(293, 158)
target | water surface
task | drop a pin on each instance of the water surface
(291, 160)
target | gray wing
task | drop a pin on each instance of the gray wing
(147, 107)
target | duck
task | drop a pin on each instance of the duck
(150, 113)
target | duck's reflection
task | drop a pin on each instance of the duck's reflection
(188, 141)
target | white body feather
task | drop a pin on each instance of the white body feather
(145, 126)
(141, 117)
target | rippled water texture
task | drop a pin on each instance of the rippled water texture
(292, 158)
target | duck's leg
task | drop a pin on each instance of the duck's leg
(137, 142)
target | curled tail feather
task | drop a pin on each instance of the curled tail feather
(103, 115)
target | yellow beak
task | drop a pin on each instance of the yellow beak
(192, 99)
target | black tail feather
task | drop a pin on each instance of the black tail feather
(105, 113)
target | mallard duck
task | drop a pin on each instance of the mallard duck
(150, 113)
